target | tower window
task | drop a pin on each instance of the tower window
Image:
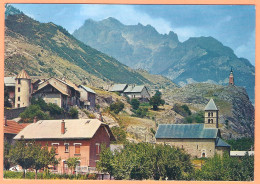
(208, 120)
(209, 114)
(19, 81)
(211, 120)
(19, 89)
(18, 98)
(212, 114)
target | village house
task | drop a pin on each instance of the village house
(11, 129)
(138, 92)
(120, 88)
(199, 140)
(132, 91)
(61, 92)
(87, 97)
(71, 138)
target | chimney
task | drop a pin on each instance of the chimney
(35, 119)
(63, 127)
(5, 119)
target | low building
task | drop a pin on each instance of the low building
(120, 88)
(138, 92)
(87, 97)
(132, 91)
(241, 153)
(71, 138)
(199, 140)
(11, 129)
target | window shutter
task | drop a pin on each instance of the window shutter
(77, 149)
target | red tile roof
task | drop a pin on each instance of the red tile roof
(13, 127)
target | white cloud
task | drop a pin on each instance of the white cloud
(126, 14)
(246, 49)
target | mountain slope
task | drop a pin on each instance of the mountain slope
(236, 113)
(202, 59)
(47, 48)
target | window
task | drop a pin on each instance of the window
(18, 105)
(211, 120)
(19, 81)
(212, 114)
(55, 146)
(19, 98)
(97, 148)
(77, 148)
(19, 89)
(208, 120)
(66, 145)
(209, 114)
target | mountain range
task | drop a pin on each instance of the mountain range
(199, 59)
(46, 49)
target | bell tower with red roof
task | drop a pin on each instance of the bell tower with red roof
(231, 78)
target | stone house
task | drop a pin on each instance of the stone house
(61, 92)
(87, 97)
(132, 91)
(71, 138)
(138, 92)
(199, 140)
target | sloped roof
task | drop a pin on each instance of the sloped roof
(221, 143)
(118, 87)
(69, 83)
(57, 84)
(211, 106)
(134, 89)
(9, 81)
(23, 75)
(14, 127)
(185, 131)
(87, 89)
(51, 129)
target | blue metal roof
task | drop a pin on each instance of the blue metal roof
(185, 131)
(221, 143)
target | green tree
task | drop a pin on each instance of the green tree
(33, 111)
(22, 155)
(135, 103)
(7, 161)
(147, 161)
(141, 112)
(72, 163)
(156, 100)
(42, 157)
(105, 164)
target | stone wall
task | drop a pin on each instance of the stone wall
(195, 147)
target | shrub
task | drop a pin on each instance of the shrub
(73, 113)
(119, 134)
(182, 110)
(141, 112)
(135, 103)
(116, 107)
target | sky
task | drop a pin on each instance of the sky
(233, 25)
